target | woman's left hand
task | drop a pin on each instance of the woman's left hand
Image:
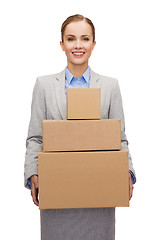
(130, 187)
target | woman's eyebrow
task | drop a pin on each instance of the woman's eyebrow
(71, 35)
(85, 35)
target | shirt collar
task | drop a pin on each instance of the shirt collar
(86, 75)
(69, 76)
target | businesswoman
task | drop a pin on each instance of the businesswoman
(49, 102)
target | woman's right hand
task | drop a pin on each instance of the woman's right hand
(34, 189)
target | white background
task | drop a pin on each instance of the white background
(130, 47)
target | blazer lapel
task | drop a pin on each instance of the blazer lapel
(60, 93)
(95, 81)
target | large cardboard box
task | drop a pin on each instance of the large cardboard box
(83, 179)
(83, 103)
(79, 135)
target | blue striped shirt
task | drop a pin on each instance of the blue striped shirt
(80, 82)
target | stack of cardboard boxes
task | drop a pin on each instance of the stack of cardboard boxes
(82, 164)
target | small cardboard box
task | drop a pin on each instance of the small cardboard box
(83, 179)
(83, 103)
(79, 135)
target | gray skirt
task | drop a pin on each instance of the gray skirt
(78, 224)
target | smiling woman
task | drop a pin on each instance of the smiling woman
(49, 102)
(78, 44)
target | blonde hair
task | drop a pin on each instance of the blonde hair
(76, 18)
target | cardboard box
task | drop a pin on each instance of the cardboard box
(83, 103)
(79, 135)
(83, 179)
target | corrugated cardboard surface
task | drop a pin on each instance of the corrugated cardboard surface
(79, 135)
(83, 179)
(83, 103)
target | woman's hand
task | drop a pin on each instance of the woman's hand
(34, 189)
(130, 187)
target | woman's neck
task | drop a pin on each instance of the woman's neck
(77, 70)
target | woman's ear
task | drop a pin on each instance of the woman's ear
(62, 45)
(94, 43)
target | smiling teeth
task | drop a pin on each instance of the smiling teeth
(78, 53)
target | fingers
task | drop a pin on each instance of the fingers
(34, 194)
(34, 190)
(130, 191)
(130, 187)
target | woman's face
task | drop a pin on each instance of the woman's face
(78, 43)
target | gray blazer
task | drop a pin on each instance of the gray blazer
(49, 102)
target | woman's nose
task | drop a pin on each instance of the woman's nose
(78, 43)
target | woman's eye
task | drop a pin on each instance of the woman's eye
(86, 39)
(70, 39)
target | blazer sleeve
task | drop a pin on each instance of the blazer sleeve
(116, 112)
(34, 138)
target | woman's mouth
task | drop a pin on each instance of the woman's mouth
(78, 54)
